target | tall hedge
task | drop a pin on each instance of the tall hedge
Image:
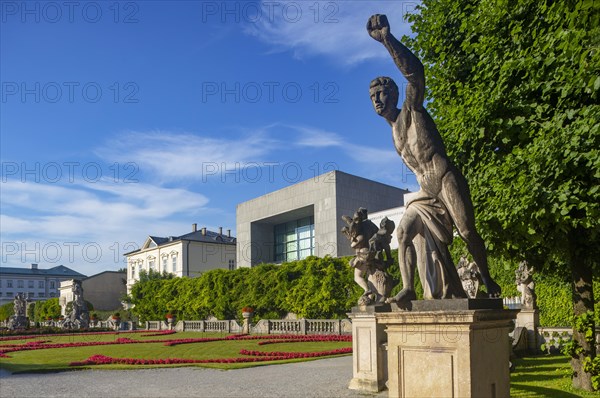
(311, 288)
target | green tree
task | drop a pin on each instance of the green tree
(31, 310)
(6, 311)
(46, 309)
(513, 87)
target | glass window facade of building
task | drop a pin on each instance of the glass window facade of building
(294, 240)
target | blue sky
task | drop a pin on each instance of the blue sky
(121, 120)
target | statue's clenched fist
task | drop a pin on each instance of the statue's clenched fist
(378, 27)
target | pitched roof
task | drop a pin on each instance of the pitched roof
(210, 237)
(58, 271)
(197, 236)
(158, 240)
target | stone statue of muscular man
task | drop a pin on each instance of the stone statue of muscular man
(444, 200)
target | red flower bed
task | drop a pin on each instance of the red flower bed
(284, 338)
(254, 356)
(193, 340)
(161, 333)
(28, 347)
(292, 355)
(104, 360)
(293, 338)
(25, 337)
(307, 339)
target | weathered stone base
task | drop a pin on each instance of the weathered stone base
(453, 353)
(369, 359)
(530, 320)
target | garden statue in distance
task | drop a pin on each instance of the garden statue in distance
(19, 319)
(370, 244)
(526, 285)
(444, 200)
(78, 317)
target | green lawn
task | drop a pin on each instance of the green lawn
(544, 376)
(55, 359)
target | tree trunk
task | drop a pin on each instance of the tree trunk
(583, 301)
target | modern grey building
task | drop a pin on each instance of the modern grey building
(305, 219)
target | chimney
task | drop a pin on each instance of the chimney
(220, 230)
(203, 231)
(194, 227)
(34, 266)
(229, 233)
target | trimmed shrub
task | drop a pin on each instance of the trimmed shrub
(311, 288)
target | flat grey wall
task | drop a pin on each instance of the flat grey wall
(326, 197)
(105, 290)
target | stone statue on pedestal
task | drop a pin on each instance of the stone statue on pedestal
(444, 200)
(371, 245)
(526, 285)
(78, 317)
(19, 318)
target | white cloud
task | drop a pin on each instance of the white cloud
(337, 30)
(90, 225)
(174, 156)
(316, 138)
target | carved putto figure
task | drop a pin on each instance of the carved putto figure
(444, 200)
(468, 272)
(371, 245)
(526, 285)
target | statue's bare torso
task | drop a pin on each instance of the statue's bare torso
(419, 144)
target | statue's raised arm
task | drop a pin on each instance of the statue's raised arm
(410, 66)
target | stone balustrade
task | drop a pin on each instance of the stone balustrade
(264, 326)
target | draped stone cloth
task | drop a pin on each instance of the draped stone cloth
(437, 272)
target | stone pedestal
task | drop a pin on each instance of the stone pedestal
(448, 353)
(369, 359)
(246, 325)
(530, 320)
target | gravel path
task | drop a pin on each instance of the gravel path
(320, 378)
